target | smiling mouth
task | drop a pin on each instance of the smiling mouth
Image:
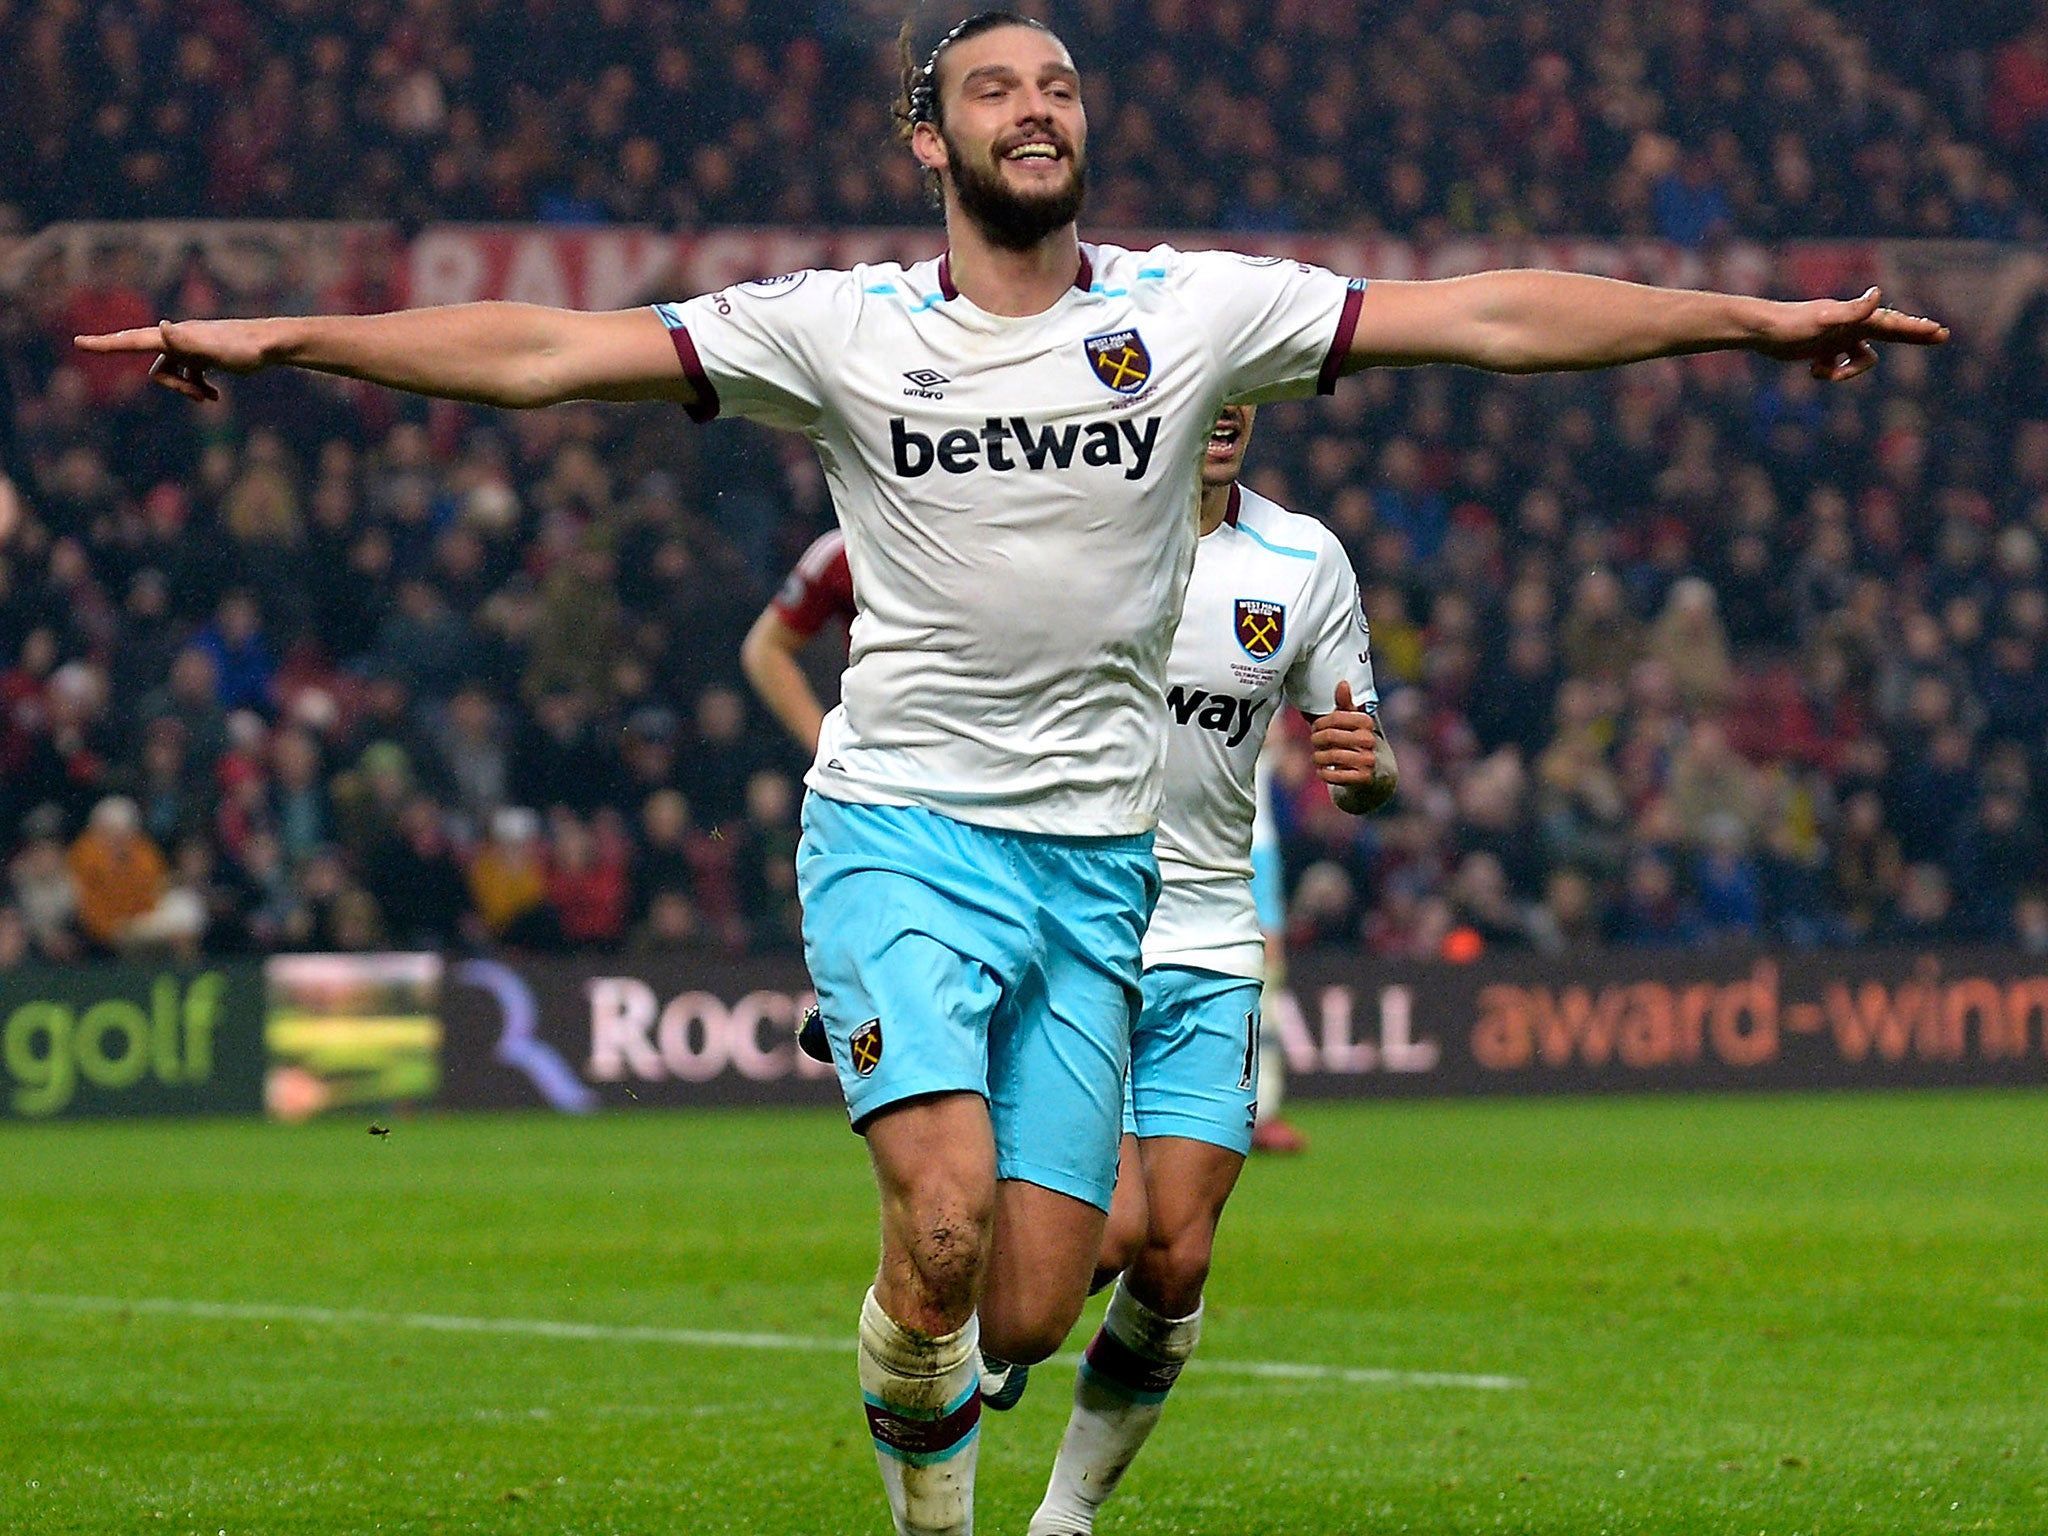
(1034, 152)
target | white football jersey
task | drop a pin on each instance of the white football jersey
(1272, 616)
(1019, 499)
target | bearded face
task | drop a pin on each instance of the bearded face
(1010, 144)
(1017, 217)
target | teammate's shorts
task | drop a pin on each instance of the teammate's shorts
(1195, 1059)
(956, 958)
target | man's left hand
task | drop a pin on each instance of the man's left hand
(1345, 743)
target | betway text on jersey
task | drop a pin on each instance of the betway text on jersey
(963, 450)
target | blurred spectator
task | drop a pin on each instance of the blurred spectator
(587, 884)
(1688, 639)
(1714, 795)
(16, 950)
(299, 811)
(125, 895)
(426, 644)
(1998, 854)
(1925, 912)
(662, 865)
(191, 699)
(44, 893)
(1569, 918)
(1600, 638)
(558, 761)
(1322, 912)
(370, 797)
(242, 663)
(471, 740)
(767, 864)
(1484, 910)
(720, 757)
(421, 891)
(2030, 923)
(110, 299)
(1729, 883)
(1654, 912)
(670, 927)
(508, 882)
(1865, 866)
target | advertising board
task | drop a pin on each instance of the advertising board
(131, 1040)
(580, 1034)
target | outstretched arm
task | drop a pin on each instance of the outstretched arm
(1541, 322)
(489, 354)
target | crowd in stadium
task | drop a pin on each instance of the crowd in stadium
(1696, 652)
(1688, 120)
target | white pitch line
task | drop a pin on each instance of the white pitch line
(693, 1338)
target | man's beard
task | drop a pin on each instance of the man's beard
(1011, 220)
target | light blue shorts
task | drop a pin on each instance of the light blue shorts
(956, 958)
(1195, 1059)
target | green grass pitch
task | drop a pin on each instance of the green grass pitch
(1728, 1315)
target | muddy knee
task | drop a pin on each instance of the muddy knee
(934, 1252)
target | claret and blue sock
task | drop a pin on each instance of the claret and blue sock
(923, 1403)
(1130, 1366)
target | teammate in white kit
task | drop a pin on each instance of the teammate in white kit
(1272, 618)
(1012, 436)
(1272, 1133)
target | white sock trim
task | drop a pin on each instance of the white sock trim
(905, 1352)
(1136, 1326)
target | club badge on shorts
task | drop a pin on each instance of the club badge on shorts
(1120, 360)
(865, 1047)
(1261, 626)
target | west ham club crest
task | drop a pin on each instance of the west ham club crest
(865, 1047)
(1261, 626)
(1120, 360)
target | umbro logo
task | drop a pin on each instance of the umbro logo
(925, 382)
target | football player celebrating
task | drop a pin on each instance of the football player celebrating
(1012, 436)
(1272, 617)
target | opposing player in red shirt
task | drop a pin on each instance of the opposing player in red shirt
(816, 592)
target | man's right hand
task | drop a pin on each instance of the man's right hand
(514, 355)
(187, 349)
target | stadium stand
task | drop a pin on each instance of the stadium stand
(1688, 120)
(320, 667)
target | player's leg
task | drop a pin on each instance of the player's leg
(1188, 1182)
(1193, 1077)
(1058, 1055)
(907, 967)
(934, 1162)
(1148, 1333)
(1273, 1133)
(1025, 1215)
(1040, 1266)
(1124, 1234)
